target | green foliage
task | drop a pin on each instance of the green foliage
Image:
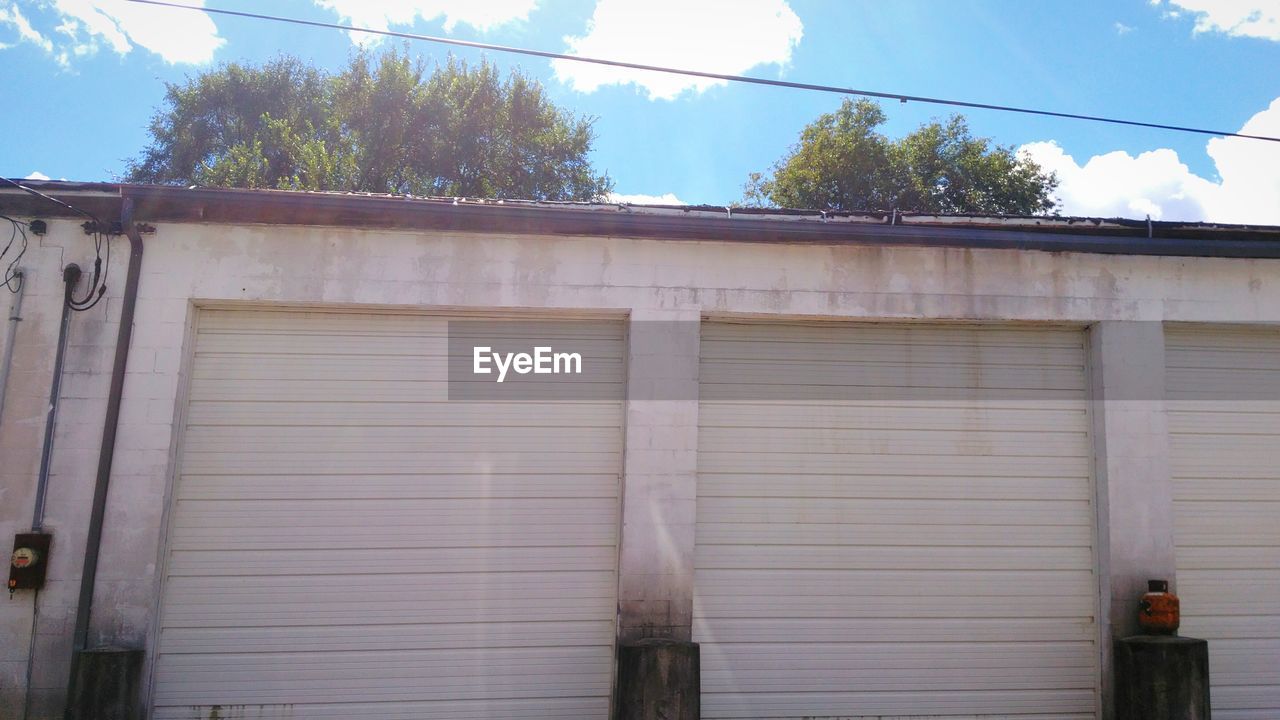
(381, 125)
(843, 163)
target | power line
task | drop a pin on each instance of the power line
(709, 75)
(50, 198)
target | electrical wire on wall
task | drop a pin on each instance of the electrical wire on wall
(17, 233)
(101, 247)
(98, 285)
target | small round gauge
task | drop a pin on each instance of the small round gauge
(25, 557)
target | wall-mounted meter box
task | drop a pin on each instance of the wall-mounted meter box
(28, 562)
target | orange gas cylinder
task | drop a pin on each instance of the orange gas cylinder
(1158, 609)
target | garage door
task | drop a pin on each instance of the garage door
(347, 542)
(894, 521)
(1224, 424)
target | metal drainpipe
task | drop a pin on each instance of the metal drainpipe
(107, 452)
(11, 333)
(70, 276)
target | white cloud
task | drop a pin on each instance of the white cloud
(84, 26)
(10, 15)
(1238, 18)
(483, 15)
(1117, 184)
(36, 175)
(1159, 184)
(720, 36)
(1122, 29)
(641, 199)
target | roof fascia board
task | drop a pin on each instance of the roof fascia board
(209, 205)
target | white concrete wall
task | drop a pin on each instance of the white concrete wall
(88, 366)
(1134, 490)
(660, 467)
(649, 278)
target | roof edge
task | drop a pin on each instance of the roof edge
(163, 203)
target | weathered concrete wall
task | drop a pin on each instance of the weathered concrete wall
(1159, 677)
(1134, 490)
(658, 679)
(655, 568)
(88, 365)
(106, 684)
(649, 278)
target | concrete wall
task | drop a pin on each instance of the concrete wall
(652, 279)
(1133, 487)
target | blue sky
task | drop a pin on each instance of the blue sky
(80, 79)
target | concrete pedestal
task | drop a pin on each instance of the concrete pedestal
(105, 685)
(1160, 677)
(658, 680)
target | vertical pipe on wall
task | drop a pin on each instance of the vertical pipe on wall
(11, 332)
(106, 453)
(70, 276)
(31, 653)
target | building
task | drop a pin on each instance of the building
(872, 465)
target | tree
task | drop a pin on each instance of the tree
(381, 125)
(843, 163)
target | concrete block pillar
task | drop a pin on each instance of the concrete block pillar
(655, 585)
(105, 685)
(1134, 491)
(658, 665)
(658, 680)
(1161, 677)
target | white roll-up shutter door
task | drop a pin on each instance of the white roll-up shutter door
(1224, 436)
(345, 542)
(894, 521)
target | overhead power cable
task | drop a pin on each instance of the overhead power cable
(710, 75)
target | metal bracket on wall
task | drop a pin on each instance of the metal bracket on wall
(112, 228)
